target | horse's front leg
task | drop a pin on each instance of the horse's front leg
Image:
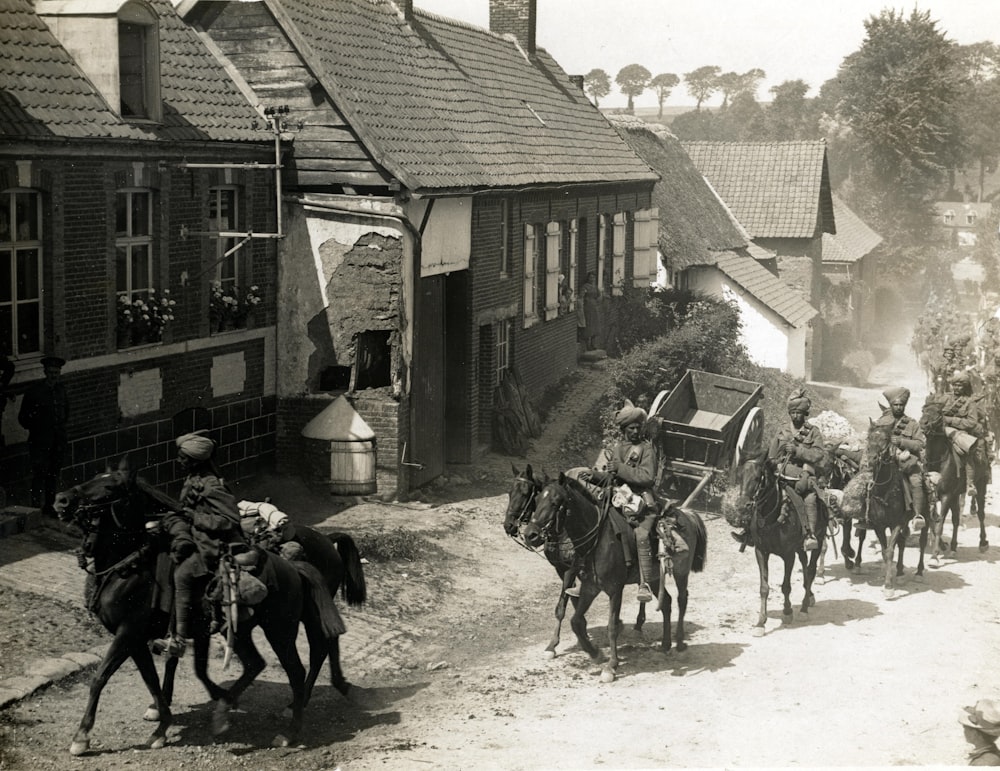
(614, 611)
(147, 670)
(560, 612)
(786, 586)
(809, 573)
(680, 636)
(984, 544)
(845, 544)
(765, 590)
(115, 656)
(253, 664)
(888, 549)
(578, 622)
(923, 547)
(900, 547)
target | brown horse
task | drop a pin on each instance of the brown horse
(113, 510)
(942, 458)
(775, 529)
(566, 506)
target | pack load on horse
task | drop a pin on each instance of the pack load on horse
(908, 442)
(628, 477)
(797, 453)
(128, 561)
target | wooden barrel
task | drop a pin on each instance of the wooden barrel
(352, 466)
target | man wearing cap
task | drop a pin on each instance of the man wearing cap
(795, 452)
(981, 724)
(962, 412)
(44, 413)
(210, 518)
(632, 462)
(909, 441)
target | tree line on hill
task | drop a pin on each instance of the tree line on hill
(906, 112)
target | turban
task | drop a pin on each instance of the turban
(196, 446)
(799, 401)
(896, 395)
(961, 376)
(629, 414)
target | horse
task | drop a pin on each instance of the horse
(775, 529)
(566, 506)
(885, 503)
(559, 552)
(942, 458)
(113, 510)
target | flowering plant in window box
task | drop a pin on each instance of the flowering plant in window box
(141, 318)
(229, 307)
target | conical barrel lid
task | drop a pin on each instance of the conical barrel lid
(339, 422)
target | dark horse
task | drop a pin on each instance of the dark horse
(942, 458)
(113, 510)
(886, 506)
(566, 506)
(559, 552)
(775, 529)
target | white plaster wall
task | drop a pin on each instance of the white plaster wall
(93, 43)
(446, 242)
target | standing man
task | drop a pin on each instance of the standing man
(45, 413)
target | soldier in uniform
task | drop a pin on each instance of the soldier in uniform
(981, 725)
(795, 453)
(909, 441)
(963, 412)
(44, 413)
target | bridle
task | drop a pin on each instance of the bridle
(88, 517)
(761, 493)
(527, 508)
(554, 526)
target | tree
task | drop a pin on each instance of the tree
(597, 83)
(749, 82)
(633, 79)
(728, 83)
(788, 115)
(663, 84)
(979, 109)
(702, 83)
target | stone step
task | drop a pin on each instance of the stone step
(17, 519)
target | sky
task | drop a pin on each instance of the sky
(788, 39)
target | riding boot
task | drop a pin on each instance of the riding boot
(919, 503)
(812, 518)
(573, 590)
(646, 570)
(175, 644)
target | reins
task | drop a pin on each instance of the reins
(525, 514)
(589, 540)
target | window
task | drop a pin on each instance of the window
(644, 246)
(501, 335)
(949, 217)
(21, 263)
(504, 237)
(534, 245)
(373, 360)
(134, 243)
(138, 63)
(223, 218)
(618, 253)
(970, 218)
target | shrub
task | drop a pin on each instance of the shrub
(386, 546)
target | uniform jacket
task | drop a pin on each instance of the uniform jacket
(808, 446)
(210, 517)
(636, 465)
(965, 414)
(911, 439)
(985, 756)
(44, 413)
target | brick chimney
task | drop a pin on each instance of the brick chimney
(577, 80)
(517, 18)
(406, 8)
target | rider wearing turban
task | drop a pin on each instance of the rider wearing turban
(632, 462)
(209, 518)
(909, 441)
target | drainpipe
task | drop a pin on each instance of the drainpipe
(403, 468)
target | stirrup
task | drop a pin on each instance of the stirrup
(572, 591)
(810, 543)
(645, 593)
(172, 646)
(918, 523)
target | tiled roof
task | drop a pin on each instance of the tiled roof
(766, 287)
(693, 221)
(853, 240)
(445, 105)
(775, 189)
(44, 93)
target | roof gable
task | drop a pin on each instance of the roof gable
(444, 105)
(43, 93)
(766, 287)
(693, 221)
(775, 189)
(853, 239)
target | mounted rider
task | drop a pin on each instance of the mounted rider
(208, 523)
(964, 413)
(796, 453)
(909, 441)
(631, 469)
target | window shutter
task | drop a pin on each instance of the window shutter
(571, 278)
(553, 243)
(640, 248)
(618, 254)
(529, 275)
(602, 240)
(654, 244)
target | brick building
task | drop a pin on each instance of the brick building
(129, 173)
(441, 196)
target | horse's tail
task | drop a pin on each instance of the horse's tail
(319, 605)
(354, 590)
(701, 545)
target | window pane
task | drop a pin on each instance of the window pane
(121, 215)
(26, 207)
(7, 328)
(140, 214)
(131, 66)
(28, 328)
(5, 276)
(140, 268)
(121, 269)
(227, 268)
(27, 274)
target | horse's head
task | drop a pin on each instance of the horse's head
(520, 499)
(750, 478)
(932, 416)
(545, 522)
(108, 493)
(879, 442)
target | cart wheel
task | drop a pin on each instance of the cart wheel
(751, 436)
(657, 403)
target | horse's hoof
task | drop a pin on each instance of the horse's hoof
(152, 714)
(984, 545)
(758, 631)
(548, 654)
(281, 741)
(888, 593)
(681, 647)
(220, 722)
(78, 748)
(607, 676)
(157, 742)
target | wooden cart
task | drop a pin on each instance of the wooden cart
(707, 423)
